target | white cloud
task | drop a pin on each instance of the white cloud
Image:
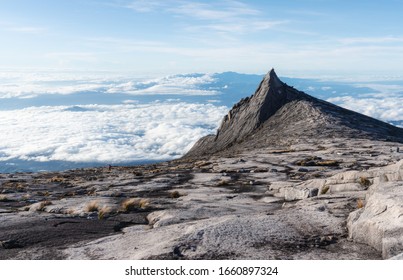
(105, 133)
(30, 85)
(144, 6)
(371, 40)
(386, 109)
(177, 84)
(24, 29)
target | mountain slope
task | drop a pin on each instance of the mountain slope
(277, 114)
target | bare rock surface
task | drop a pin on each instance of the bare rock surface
(380, 222)
(286, 177)
(218, 207)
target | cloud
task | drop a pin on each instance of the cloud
(105, 133)
(175, 84)
(371, 40)
(145, 6)
(218, 11)
(386, 109)
(24, 29)
(222, 16)
(30, 85)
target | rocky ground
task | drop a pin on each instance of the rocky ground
(317, 199)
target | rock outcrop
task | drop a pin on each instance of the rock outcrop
(380, 222)
(277, 113)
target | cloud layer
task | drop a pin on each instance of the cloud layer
(100, 133)
(27, 85)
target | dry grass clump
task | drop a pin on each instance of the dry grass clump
(57, 179)
(316, 161)
(325, 189)
(222, 183)
(175, 194)
(328, 163)
(92, 206)
(360, 203)
(132, 204)
(103, 212)
(144, 203)
(364, 181)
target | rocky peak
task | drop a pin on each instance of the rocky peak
(278, 113)
(250, 113)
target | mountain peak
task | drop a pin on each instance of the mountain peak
(272, 78)
(278, 113)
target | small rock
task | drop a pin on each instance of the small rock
(313, 192)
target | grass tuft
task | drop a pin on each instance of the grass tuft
(360, 203)
(132, 204)
(103, 212)
(174, 194)
(92, 206)
(324, 190)
(364, 181)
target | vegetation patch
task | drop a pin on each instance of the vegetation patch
(132, 204)
(360, 203)
(316, 161)
(325, 189)
(92, 206)
(364, 181)
(4, 198)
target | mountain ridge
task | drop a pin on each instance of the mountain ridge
(278, 113)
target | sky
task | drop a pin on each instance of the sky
(323, 37)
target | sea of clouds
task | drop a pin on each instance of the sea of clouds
(105, 133)
(103, 118)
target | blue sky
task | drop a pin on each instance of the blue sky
(174, 36)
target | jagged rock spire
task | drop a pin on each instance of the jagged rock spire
(278, 112)
(248, 114)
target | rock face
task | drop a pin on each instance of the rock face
(277, 112)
